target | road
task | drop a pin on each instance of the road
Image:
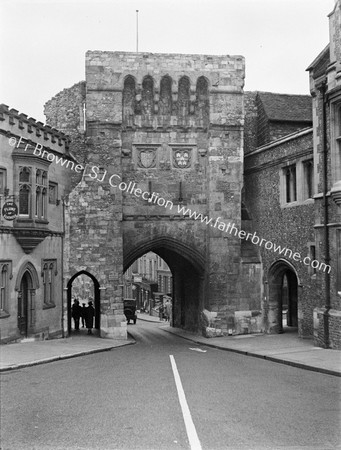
(127, 398)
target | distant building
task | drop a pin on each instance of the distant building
(31, 227)
(164, 277)
(147, 276)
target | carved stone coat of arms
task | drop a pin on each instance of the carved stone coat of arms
(182, 158)
(147, 158)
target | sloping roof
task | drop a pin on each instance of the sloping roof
(286, 107)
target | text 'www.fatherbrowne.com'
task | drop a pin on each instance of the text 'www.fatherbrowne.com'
(115, 181)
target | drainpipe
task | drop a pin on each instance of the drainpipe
(323, 90)
(62, 268)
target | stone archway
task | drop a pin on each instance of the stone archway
(27, 283)
(283, 295)
(187, 266)
(96, 299)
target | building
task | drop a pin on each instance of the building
(293, 196)
(325, 87)
(31, 227)
(164, 277)
(160, 136)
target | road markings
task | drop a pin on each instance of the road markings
(190, 428)
(198, 349)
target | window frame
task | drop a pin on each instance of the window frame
(5, 289)
(335, 130)
(3, 187)
(36, 187)
(53, 185)
(49, 273)
(297, 183)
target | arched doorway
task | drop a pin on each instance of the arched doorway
(187, 267)
(26, 284)
(283, 297)
(25, 309)
(87, 289)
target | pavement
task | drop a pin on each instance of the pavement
(284, 348)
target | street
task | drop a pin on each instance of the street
(130, 398)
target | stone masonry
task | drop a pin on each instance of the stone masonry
(163, 133)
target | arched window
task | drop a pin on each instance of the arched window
(44, 178)
(25, 175)
(3, 287)
(48, 274)
(43, 203)
(183, 98)
(38, 202)
(25, 191)
(202, 102)
(165, 102)
(38, 177)
(129, 95)
(25, 200)
(147, 103)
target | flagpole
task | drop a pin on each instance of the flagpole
(137, 31)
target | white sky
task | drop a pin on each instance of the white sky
(43, 42)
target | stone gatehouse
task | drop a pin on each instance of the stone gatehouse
(160, 137)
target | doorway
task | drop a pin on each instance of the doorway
(25, 306)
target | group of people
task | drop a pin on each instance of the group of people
(165, 310)
(86, 313)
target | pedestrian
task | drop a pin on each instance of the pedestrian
(168, 309)
(161, 309)
(76, 312)
(83, 314)
(89, 317)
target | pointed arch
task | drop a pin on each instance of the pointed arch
(97, 299)
(147, 102)
(202, 102)
(128, 100)
(165, 102)
(184, 98)
(27, 267)
(166, 243)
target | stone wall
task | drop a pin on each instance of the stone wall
(288, 226)
(168, 125)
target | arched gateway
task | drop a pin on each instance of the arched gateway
(159, 139)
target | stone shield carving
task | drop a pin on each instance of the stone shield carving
(147, 158)
(182, 158)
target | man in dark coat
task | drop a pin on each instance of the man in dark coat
(89, 317)
(83, 314)
(76, 312)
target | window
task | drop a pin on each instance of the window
(308, 173)
(32, 192)
(3, 181)
(338, 142)
(49, 273)
(290, 183)
(338, 256)
(25, 191)
(53, 193)
(312, 256)
(5, 276)
(41, 194)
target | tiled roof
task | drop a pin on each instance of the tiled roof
(287, 107)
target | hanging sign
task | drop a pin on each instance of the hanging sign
(10, 211)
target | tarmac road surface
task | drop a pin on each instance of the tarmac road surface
(167, 393)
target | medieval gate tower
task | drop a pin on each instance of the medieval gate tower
(158, 134)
